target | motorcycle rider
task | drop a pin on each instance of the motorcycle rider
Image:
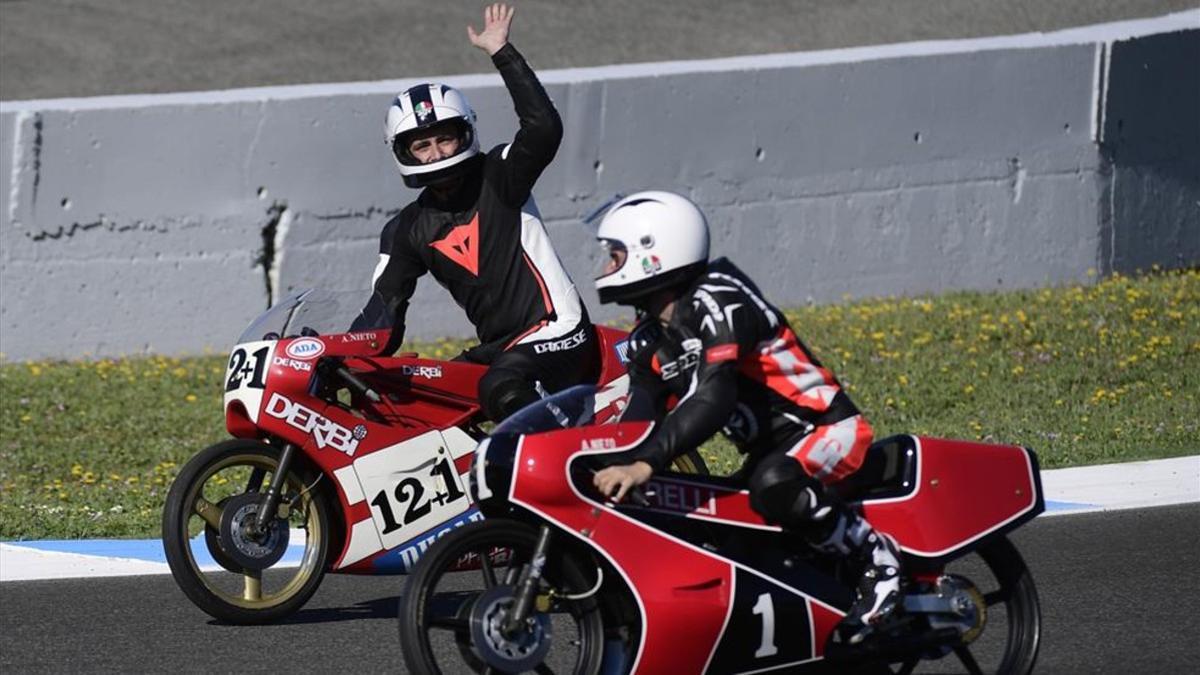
(708, 338)
(476, 228)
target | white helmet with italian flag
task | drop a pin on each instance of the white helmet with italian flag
(652, 240)
(418, 109)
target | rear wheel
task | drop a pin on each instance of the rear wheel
(450, 618)
(1010, 636)
(223, 566)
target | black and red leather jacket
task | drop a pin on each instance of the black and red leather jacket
(486, 243)
(734, 364)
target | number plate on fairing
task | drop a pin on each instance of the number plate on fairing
(412, 487)
(246, 375)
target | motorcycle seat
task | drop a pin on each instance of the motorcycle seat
(889, 470)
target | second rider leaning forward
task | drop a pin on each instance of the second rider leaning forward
(708, 337)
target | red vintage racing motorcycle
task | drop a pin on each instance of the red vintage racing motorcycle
(686, 578)
(343, 460)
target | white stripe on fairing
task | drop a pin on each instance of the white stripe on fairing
(380, 267)
(364, 541)
(563, 294)
(724, 624)
(347, 478)
(458, 442)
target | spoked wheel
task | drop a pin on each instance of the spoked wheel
(217, 557)
(449, 618)
(1011, 632)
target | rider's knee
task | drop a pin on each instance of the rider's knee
(502, 392)
(783, 494)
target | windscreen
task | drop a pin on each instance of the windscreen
(315, 312)
(579, 406)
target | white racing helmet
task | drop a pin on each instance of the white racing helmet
(652, 240)
(419, 108)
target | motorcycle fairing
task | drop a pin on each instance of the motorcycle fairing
(680, 582)
(404, 479)
(786, 560)
(769, 626)
(709, 499)
(964, 492)
(246, 377)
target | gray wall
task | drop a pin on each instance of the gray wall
(158, 223)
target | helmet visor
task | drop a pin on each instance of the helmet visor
(613, 255)
(422, 146)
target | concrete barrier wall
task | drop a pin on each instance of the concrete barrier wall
(165, 223)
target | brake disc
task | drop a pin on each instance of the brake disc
(518, 653)
(249, 551)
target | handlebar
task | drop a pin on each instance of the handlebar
(335, 366)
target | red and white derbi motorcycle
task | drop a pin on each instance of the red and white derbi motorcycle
(342, 460)
(688, 579)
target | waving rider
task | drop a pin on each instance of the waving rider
(476, 228)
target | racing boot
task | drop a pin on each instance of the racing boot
(879, 592)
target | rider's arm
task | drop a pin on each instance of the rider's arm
(541, 128)
(727, 328)
(393, 284)
(710, 401)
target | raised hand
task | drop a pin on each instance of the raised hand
(496, 19)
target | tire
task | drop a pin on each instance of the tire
(435, 609)
(1021, 602)
(1012, 634)
(189, 539)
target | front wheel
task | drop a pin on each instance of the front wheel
(451, 618)
(231, 572)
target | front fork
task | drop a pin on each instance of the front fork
(270, 501)
(527, 585)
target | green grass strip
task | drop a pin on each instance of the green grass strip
(1082, 374)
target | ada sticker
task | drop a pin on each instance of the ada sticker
(305, 348)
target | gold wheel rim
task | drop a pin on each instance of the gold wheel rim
(251, 595)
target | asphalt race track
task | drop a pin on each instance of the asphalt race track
(1118, 593)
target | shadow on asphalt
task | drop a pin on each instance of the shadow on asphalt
(379, 608)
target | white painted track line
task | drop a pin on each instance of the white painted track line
(1084, 489)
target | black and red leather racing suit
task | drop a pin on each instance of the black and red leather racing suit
(734, 364)
(486, 244)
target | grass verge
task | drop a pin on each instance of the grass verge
(1083, 374)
